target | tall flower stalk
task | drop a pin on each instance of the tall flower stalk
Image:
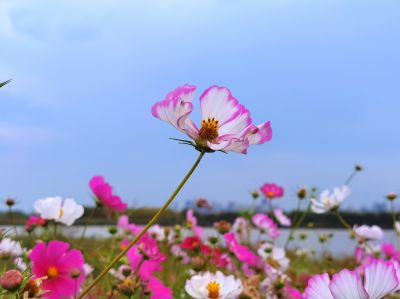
(144, 230)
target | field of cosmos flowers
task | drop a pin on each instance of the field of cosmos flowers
(238, 260)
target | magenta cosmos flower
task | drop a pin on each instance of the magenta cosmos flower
(226, 125)
(103, 193)
(59, 266)
(272, 191)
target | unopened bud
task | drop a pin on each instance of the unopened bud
(11, 280)
(391, 196)
(10, 202)
(126, 271)
(255, 194)
(358, 167)
(197, 263)
(112, 230)
(75, 273)
(213, 240)
(222, 226)
(302, 193)
(303, 236)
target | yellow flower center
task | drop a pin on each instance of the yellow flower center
(61, 213)
(52, 272)
(213, 290)
(270, 194)
(209, 129)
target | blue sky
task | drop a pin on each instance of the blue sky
(85, 74)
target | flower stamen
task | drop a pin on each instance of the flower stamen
(213, 290)
(52, 272)
(209, 129)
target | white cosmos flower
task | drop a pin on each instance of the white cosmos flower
(213, 286)
(369, 232)
(274, 256)
(330, 201)
(157, 232)
(61, 210)
(20, 264)
(10, 248)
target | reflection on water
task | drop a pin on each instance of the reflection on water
(339, 245)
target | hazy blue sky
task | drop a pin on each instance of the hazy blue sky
(85, 74)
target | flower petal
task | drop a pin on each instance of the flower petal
(219, 103)
(260, 134)
(380, 278)
(347, 285)
(318, 288)
(175, 109)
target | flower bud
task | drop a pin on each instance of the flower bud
(222, 226)
(126, 271)
(112, 230)
(358, 167)
(213, 240)
(11, 280)
(197, 263)
(10, 202)
(75, 273)
(255, 194)
(203, 203)
(302, 193)
(391, 196)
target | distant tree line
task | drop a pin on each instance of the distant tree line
(171, 217)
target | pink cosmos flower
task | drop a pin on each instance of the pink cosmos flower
(158, 290)
(225, 124)
(272, 191)
(34, 221)
(243, 253)
(390, 251)
(282, 218)
(191, 221)
(266, 224)
(375, 280)
(56, 263)
(103, 193)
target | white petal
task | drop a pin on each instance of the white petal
(347, 285)
(380, 278)
(318, 288)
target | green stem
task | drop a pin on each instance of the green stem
(144, 230)
(351, 230)
(298, 222)
(13, 223)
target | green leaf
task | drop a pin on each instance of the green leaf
(4, 83)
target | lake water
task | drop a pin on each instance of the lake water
(339, 245)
